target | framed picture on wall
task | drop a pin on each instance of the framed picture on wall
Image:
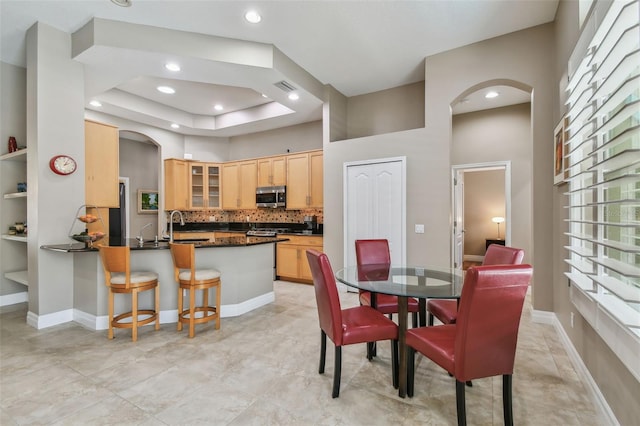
(559, 152)
(148, 201)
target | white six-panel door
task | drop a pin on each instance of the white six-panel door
(375, 205)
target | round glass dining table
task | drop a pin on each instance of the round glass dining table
(404, 281)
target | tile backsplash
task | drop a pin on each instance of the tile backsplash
(258, 215)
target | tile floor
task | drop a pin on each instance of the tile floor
(259, 369)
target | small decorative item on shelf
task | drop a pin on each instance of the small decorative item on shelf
(12, 145)
(22, 186)
(19, 227)
(12, 230)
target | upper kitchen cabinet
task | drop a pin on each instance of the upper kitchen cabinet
(239, 182)
(204, 186)
(272, 171)
(176, 178)
(101, 164)
(304, 180)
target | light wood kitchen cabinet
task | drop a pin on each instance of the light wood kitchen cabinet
(291, 257)
(204, 186)
(272, 171)
(176, 178)
(101, 164)
(239, 182)
(304, 180)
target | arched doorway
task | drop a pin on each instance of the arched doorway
(139, 174)
(491, 146)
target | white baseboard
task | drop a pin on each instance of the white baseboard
(12, 299)
(246, 306)
(602, 407)
(49, 320)
(93, 322)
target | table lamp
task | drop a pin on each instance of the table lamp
(498, 220)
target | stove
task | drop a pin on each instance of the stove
(267, 232)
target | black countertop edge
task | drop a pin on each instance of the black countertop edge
(294, 228)
(239, 241)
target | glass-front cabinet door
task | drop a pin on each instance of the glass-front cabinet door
(204, 186)
(213, 186)
(196, 186)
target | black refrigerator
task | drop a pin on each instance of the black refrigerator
(118, 218)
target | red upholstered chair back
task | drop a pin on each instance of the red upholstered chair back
(488, 320)
(501, 255)
(372, 252)
(327, 299)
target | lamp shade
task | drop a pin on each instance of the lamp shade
(497, 219)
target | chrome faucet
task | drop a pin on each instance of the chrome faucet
(171, 223)
(139, 237)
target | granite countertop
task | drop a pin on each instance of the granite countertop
(242, 227)
(235, 241)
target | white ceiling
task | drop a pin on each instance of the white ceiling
(355, 46)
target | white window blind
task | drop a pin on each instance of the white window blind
(602, 151)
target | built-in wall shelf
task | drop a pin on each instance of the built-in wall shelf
(15, 195)
(19, 155)
(21, 238)
(18, 276)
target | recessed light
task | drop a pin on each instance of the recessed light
(123, 3)
(491, 95)
(95, 103)
(252, 17)
(172, 66)
(175, 126)
(294, 96)
(218, 107)
(166, 89)
(264, 96)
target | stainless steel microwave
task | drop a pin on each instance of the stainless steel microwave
(271, 196)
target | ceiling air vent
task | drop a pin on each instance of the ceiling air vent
(284, 86)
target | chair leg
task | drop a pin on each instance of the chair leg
(410, 370)
(218, 290)
(323, 350)
(370, 350)
(460, 405)
(507, 399)
(192, 312)
(394, 362)
(157, 292)
(134, 316)
(180, 306)
(337, 371)
(110, 335)
(430, 319)
(414, 319)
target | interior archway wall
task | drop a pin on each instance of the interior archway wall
(525, 60)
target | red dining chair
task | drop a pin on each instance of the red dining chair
(376, 252)
(446, 310)
(482, 343)
(360, 324)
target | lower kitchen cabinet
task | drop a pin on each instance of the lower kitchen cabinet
(292, 264)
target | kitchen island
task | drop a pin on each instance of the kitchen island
(246, 263)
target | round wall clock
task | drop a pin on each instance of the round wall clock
(62, 165)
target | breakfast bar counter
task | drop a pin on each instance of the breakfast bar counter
(246, 264)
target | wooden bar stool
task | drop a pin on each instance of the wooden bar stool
(190, 279)
(120, 279)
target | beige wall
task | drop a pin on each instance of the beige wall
(386, 111)
(501, 134)
(302, 137)
(483, 199)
